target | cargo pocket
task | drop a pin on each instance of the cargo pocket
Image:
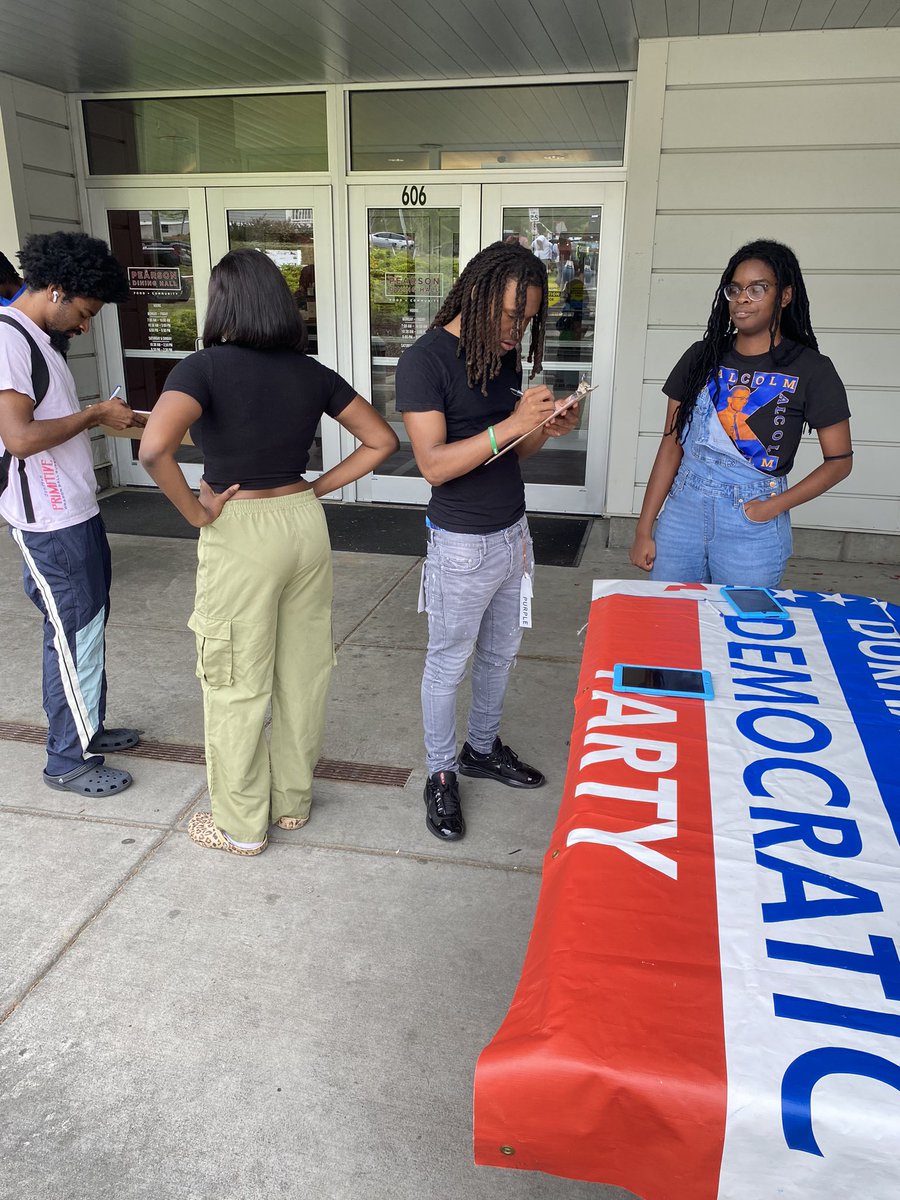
(215, 654)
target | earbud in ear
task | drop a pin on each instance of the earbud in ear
(55, 297)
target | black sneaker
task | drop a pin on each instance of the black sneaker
(501, 764)
(443, 812)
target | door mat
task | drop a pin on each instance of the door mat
(360, 528)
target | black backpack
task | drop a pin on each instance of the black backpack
(40, 382)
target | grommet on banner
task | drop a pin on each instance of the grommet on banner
(555, 854)
(507, 1150)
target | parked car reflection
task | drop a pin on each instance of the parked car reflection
(391, 241)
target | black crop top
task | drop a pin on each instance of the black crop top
(261, 409)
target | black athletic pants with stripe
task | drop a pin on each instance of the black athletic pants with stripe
(67, 575)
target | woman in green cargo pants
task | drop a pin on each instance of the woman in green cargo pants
(262, 614)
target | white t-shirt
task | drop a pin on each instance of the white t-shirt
(542, 247)
(60, 481)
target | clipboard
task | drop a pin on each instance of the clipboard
(578, 395)
(134, 432)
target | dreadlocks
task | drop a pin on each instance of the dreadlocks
(792, 320)
(477, 297)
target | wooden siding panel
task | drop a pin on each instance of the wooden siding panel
(51, 196)
(769, 179)
(847, 302)
(43, 103)
(47, 147)
(87, 380)
(865, 54)
(830, 114)
(823, 240)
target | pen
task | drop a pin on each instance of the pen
(116, 392)
(710, 604)
(516, 392)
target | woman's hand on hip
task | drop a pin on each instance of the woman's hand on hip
(643, 552)
(213, 502)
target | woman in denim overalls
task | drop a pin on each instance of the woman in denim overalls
(724, 480)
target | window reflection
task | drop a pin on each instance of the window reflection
(287, 236)
(183, 135)
(154, 246)
(567, 241)
(483, 129)
(413, 264)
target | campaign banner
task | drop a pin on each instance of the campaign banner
(709, 1007)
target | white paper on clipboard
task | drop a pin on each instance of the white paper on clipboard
(578, 395)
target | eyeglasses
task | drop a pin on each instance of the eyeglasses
(755, 291)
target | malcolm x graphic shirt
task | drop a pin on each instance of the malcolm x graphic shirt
(764, 400)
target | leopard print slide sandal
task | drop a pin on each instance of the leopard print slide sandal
(203, 830)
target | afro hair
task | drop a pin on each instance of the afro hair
(80, 265)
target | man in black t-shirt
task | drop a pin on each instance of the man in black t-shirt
(457, 388)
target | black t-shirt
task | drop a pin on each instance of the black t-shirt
(260, 411)
(764, 400)
(431, 378)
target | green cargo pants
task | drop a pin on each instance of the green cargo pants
(262, 617)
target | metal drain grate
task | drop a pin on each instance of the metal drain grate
(326, 768)
(349, 772)
(10, 731)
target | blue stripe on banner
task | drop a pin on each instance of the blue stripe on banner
(862, 637)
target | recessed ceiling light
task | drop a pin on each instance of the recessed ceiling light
(396, 160)
(555, 157)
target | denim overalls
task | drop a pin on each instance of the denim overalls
(703, 534)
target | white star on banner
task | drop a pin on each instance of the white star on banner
(833, 598)
(788, 595)
(882, 604)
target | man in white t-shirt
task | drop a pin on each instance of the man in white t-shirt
(47, 497)
(542, 248)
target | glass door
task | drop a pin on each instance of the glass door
(292, 225)
(159, 236)
(576, 231)
(408, 242)
(168, 239)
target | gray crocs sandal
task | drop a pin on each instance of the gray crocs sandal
(90, 781)
(108, 741)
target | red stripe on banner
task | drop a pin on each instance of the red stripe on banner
(610, 1065)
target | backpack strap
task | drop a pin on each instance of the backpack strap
(40, 372)
(40, 383)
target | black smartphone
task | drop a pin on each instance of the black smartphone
(662, 681)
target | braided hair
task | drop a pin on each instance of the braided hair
(477, 298)
(793, 321)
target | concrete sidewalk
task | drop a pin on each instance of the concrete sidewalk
(184, 1025)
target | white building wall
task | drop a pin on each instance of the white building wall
(39, 194)
(792, 136)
